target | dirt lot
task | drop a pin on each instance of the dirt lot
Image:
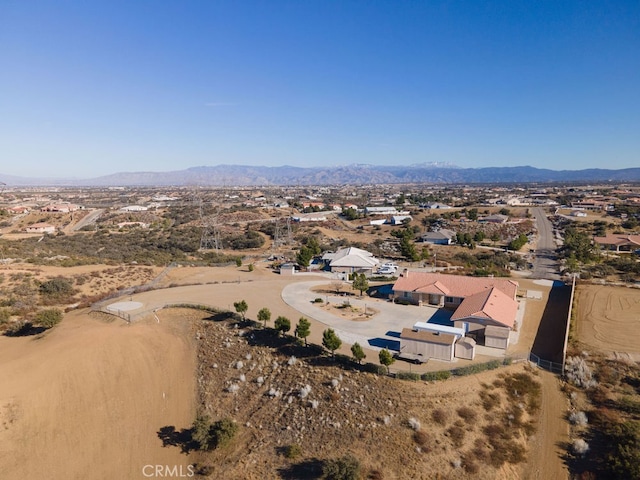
(608, 318)
(85, 400)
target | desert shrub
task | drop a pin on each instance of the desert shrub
(408, 376)
(439, 416)
(624, 459)
(318, 300)
(578, 418)
(48, 318)
(433, 376)
(629, 405)
(609, 375)
(489, 400)
(467, 413)
(579, 447)
(5, 315)
(292, 451)
(456, 434)
(470, 466)
(343, 468)
(476, 368)
(423, 439)
(56, 288)
(579, 373)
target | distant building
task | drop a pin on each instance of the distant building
(350, 260)
(134, 208)
(441, 237)
(40, 228)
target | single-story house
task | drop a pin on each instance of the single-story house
(620, 243)
(435, 206)
(399, 219)
(133, 225)
(440, 237)
(18, 210)
(60, 207)
(134, 208)
(40, 228)
(381, 210)
(350, 260)
(427, 344)
(478, 302)
(311, 217)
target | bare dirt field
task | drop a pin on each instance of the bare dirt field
(608, 318)
(85, 400)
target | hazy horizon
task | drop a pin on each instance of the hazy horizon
(88, 90)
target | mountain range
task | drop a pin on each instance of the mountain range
(358, 174)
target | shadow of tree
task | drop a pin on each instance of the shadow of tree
(25, 330)
(178, 438)
(308, 469)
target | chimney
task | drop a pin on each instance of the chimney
(405, 273)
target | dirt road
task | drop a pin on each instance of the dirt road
(546, 451)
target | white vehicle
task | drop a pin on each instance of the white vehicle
(389, 265)
(387, 271)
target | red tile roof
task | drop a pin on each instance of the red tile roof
(488, 298)
(452, 285)
(494, 305)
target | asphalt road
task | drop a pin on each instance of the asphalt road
(545, 262)
(88, 219)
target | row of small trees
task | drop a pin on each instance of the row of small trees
(330, 340)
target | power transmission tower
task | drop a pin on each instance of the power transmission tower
(210, 238)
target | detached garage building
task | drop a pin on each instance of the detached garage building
(427, 344)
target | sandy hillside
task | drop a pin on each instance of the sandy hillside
(86, 399)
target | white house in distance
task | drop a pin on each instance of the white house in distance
(134, 208)
(40, 228)
(350, 260)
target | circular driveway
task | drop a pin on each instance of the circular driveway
(380, 331)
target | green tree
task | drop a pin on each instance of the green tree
(303, 329)
(408, 248)
(238, 262)
(331, 341)
(212, 435)
(241, 308)
(49, 318)
(386, 358)
(350, 213)
(519, 242)
(282, 324)
(343, 468)
(358, 352)
(264, 315)
(304, 256)
(472, 214)
(360, 282)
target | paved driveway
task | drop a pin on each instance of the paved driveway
(382, 330)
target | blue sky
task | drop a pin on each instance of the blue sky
(92, 88)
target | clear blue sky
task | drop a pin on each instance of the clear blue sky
(92, 88)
